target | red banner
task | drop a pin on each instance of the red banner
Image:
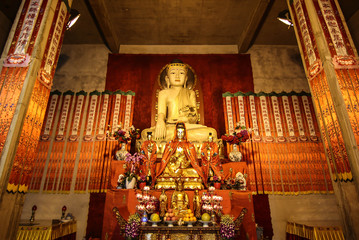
(285, 154)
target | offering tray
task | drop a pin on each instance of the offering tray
(170, 223)
(154, 223)
(205, 223)
(190, 223)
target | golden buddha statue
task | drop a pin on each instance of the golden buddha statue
(177, 102)
(179, 199)
(180, 160)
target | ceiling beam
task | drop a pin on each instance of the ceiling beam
(102, 18)
(248, 34)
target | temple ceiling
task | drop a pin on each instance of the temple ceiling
(185, 22)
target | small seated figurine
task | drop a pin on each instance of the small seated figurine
(180, 160)
(211, 164)
(177, 103)
(179, 199)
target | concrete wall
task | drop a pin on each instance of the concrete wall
(275, 68)
(81, 67)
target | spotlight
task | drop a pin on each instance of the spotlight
(284, 17)
(74, 16)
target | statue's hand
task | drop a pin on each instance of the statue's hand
(160, 130)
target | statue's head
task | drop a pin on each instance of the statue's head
(180, 133)
(176, 74)
(149, 136)
(210, 137)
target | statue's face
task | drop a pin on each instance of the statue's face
(149, 137)
(210, 139)
(180, 133)
(177, 75)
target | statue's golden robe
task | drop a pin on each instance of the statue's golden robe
(212, 161)
(149, 163)
(189, 151)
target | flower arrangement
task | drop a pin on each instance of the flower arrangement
(212, 203)
(132, 228)
(133, 162)
(211, 190)
(124, 135)
(142, 179)
(227, 227)
(238, 183)
(215, 179)
(240, 134)
(147, 202)
(129, 176)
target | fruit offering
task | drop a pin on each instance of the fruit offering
(189, 216)
(170, 216)
(155, 217)
(206, 217)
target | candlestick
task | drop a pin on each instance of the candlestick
(33, 210)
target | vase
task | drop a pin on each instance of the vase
(217, 185)
(144, 218)
(131, 184)
(121, 154)
(235, 155)
(142, 185)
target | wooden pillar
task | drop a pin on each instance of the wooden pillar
(331, 65)
(27, 68)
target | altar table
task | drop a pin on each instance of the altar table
(46, 230)
(313, 232)
(196, 232)
(125, 200)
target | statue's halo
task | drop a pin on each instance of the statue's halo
(191, 81)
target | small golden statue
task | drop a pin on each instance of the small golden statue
(163, 203)
(180, 160)
(211, 164)
(179, 199)
(149, 151)
(196, 204)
